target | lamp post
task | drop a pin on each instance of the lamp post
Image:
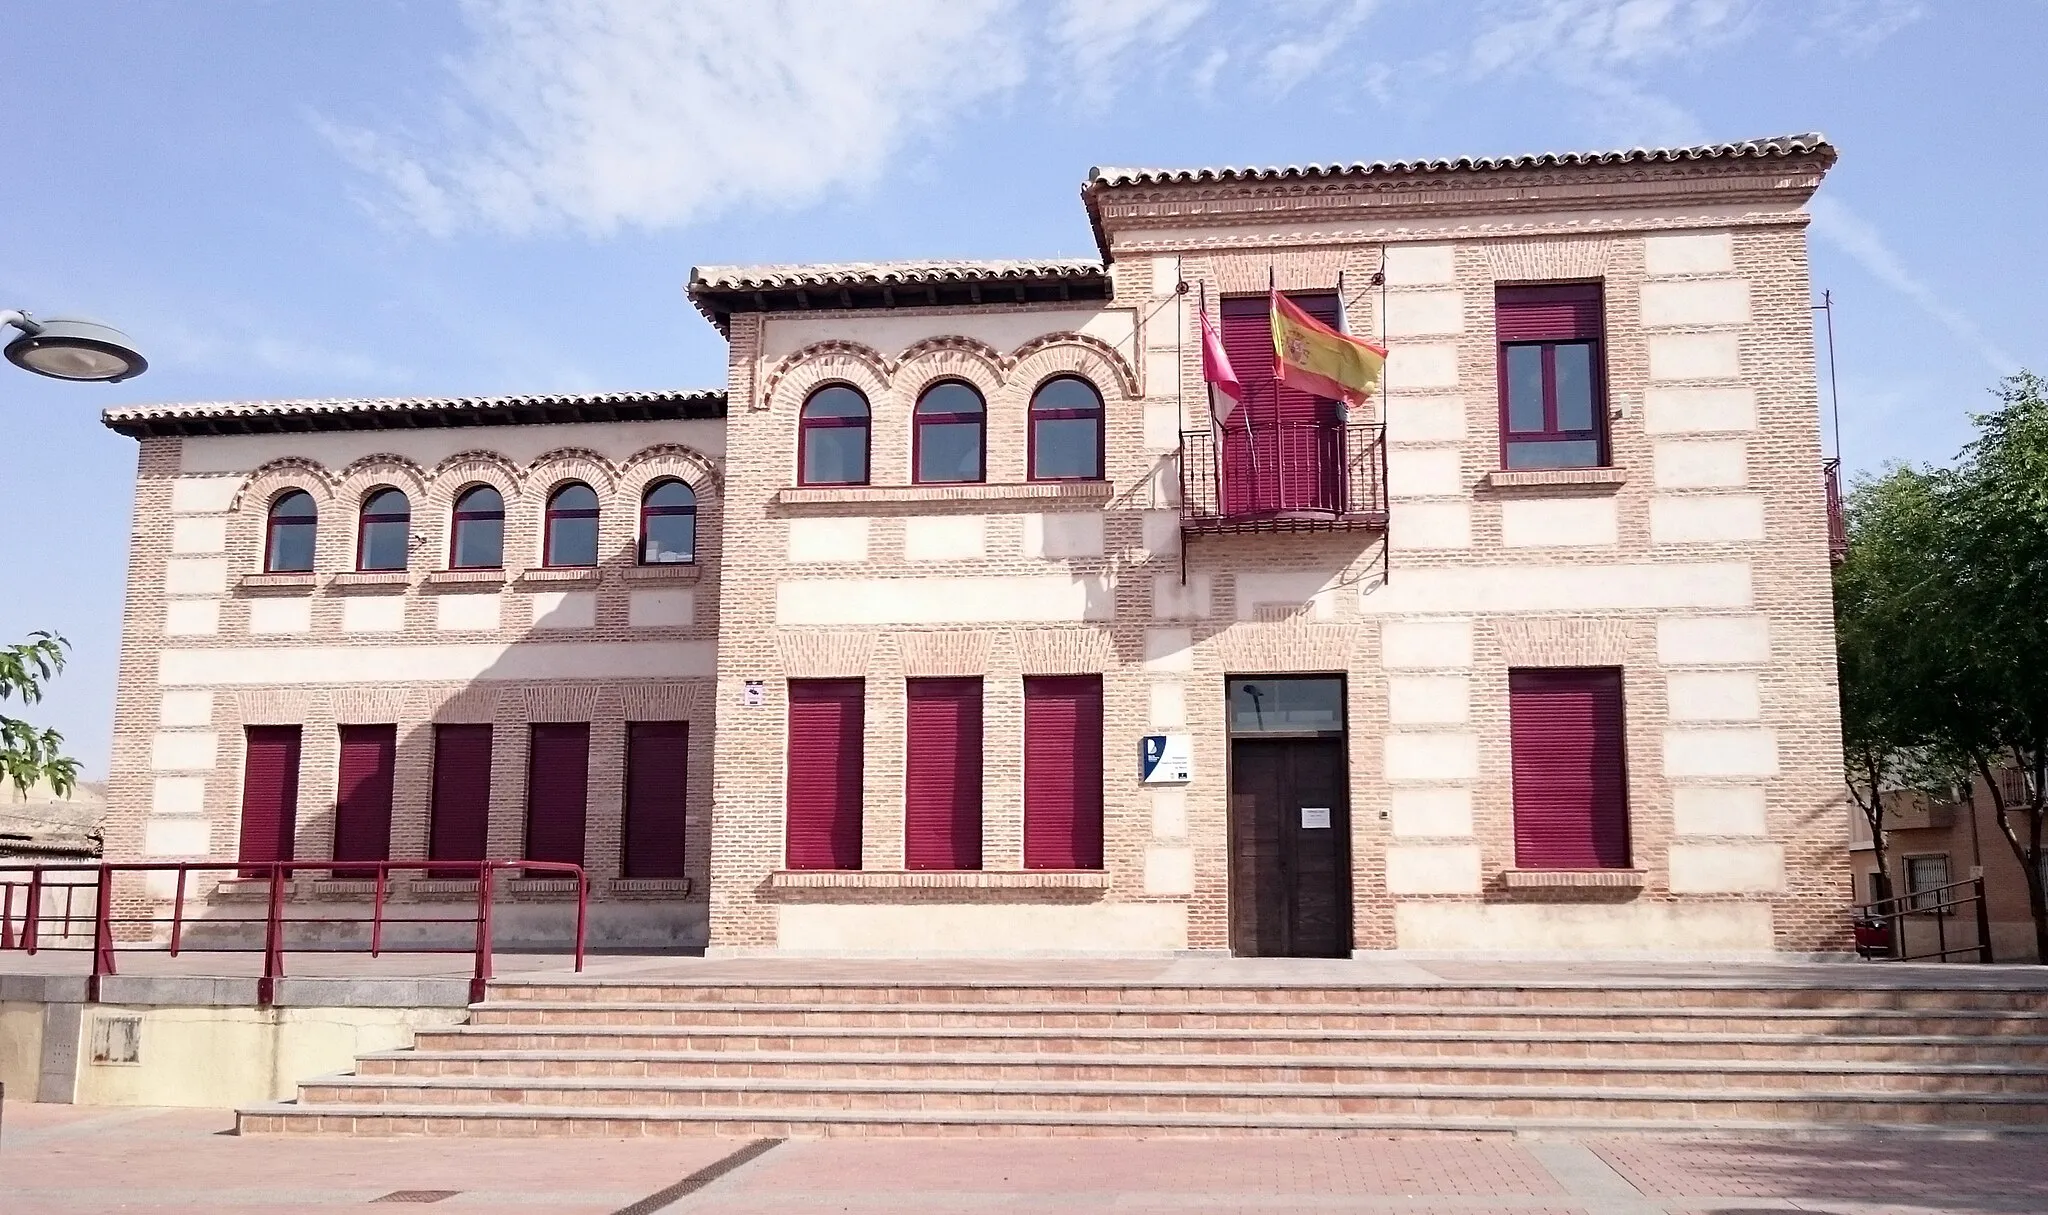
(71, 348)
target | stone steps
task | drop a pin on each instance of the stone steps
(1262, 1016)
(731, 1097)
(611, 1058)
(652, 1040)
(510, 1068)
(1563, 994)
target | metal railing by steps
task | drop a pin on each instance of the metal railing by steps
(934, 1058)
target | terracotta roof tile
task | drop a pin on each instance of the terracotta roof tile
(381, 413)
(1749, 149)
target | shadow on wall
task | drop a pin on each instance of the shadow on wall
(558, 680)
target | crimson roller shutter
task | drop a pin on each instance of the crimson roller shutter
(657, 771)
(1570, 774)
(1063, 772)
(461, 822)
(557, 790)
(823, 800)
(270, 795)
(1282, 449)
(942, 774)
(362, 802)
(1547, 314)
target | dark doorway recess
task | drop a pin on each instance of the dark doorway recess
(1290, 819)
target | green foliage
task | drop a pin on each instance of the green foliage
(29, 755)
(1941, 616)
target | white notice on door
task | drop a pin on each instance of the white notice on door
(1315, 816)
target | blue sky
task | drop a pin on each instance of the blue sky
(388, 197)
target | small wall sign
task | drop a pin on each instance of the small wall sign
(1166, 759)
(1315, 817)
(753, 693)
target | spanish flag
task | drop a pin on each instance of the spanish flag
(1312, 357)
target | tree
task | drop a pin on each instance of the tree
(1996, 511)
(1885, 590)
(1942, 619)
(29, 756)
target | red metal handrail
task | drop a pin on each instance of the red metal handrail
(100, 879)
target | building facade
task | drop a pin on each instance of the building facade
(956, 623)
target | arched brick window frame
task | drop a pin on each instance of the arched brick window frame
(1065, 409)
(835, 436)
(384, 524)
(476, 528)
(291, 533)
(569, 527)
(949, 434)
(668, 523)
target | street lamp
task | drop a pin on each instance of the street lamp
(69, 348)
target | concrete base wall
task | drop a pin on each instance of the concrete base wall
(1550, 927)
(192, 1055)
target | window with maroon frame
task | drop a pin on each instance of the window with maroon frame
(668, 524)
(477, 541)
(942, 774)
(822, 801)
(569, 539)
(1066, 431)
(383, 531)
(362, 797)
(948, 446)
(1569, 768)
(1063, 772)
(1553, 395)
(657, 777)
(289, 533)
(832, 438)
(270, 795)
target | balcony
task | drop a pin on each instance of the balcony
(1838, 523)
(1293, 476)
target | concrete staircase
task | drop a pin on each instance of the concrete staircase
(929, 1057)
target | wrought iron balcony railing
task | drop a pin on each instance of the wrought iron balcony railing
(1838, 522)
(1289, 476)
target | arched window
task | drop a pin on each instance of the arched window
(1066, 431)
(668, 524)
(383, 531)
(571, 534)
(951, 423)
(288, 535)
(479, 540)
(833, 438)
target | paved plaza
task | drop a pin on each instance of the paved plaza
(77, 1160)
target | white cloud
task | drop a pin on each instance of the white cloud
(1096, 35)
(613, 113)
(1290, 62)
(1857, 26)
(1836, 224)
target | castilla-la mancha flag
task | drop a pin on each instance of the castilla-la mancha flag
(1312, 357)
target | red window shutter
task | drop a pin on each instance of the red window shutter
(942, 774)
(557, 791)
(1570, 771)
(1547, 314)
(461, 817)
(362, 804)
(270, 794)
(1063, 772)
(823, 799)
(657, 772)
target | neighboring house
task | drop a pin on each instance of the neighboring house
(1931, 841)
(952, 625)
(39, 825)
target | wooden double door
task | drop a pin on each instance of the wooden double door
(1290, 848)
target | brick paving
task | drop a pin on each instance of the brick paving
(80, 1160)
